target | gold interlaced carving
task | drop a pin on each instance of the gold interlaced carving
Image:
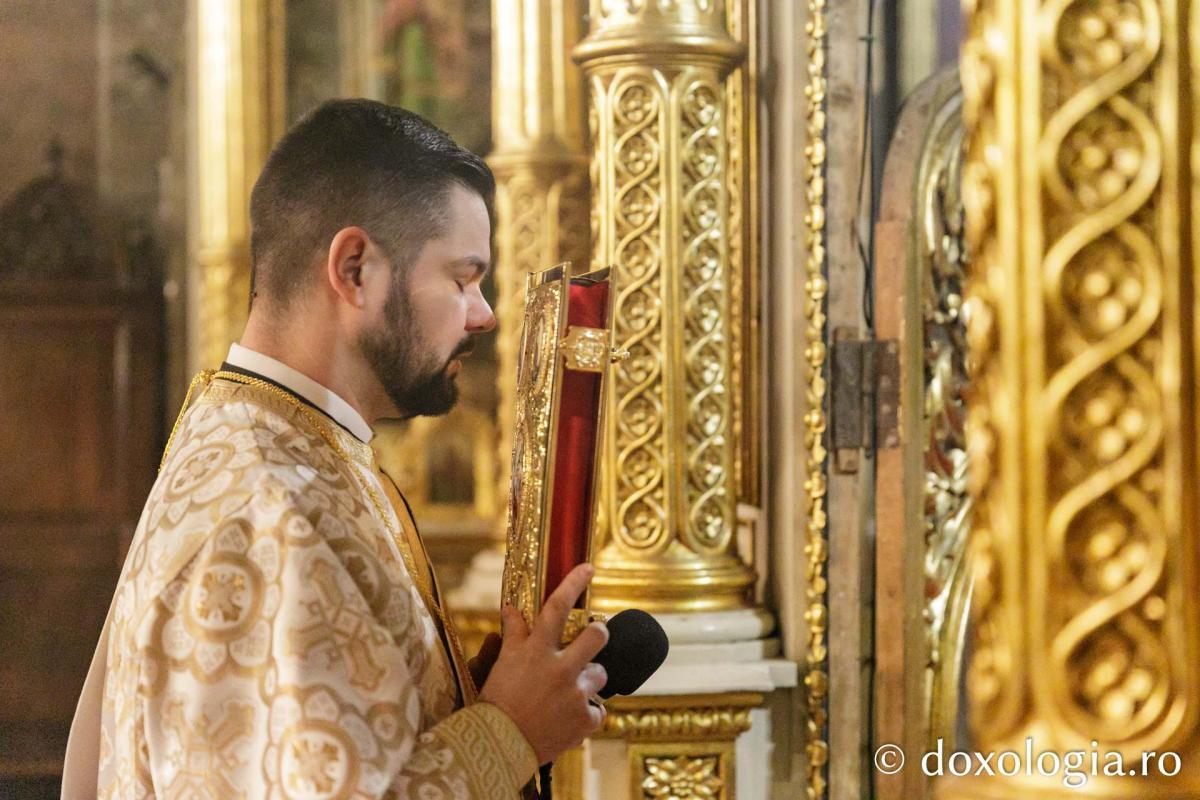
(640, 470)
(710, 492)
(1106, 536)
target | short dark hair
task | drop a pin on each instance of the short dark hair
(354, 162)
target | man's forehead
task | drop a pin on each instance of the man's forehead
(468, 215)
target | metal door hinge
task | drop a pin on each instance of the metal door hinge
(864, 398)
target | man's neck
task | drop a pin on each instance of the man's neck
(326, 364)
(253, 363)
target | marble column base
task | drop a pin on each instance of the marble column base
(703, 719)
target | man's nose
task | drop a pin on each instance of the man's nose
(481, 319)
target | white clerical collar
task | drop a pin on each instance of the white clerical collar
(324, 399)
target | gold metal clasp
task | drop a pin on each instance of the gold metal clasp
(584, 348)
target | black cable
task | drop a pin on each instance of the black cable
(866, 256)
(866, 250)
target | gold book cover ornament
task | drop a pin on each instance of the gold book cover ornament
(563, 361)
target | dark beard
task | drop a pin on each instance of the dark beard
(416, 384)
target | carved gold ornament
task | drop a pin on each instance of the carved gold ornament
(679, 776)
(1079, 198)
(942, 261)
(544, 317)
(816, 549)
(721, 722)
(681, 746)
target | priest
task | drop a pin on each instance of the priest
(277, 630)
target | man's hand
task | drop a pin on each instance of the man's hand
(543, 689)
(481, 665)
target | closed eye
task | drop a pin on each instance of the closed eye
(477, 268)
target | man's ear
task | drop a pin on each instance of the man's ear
(344, 266)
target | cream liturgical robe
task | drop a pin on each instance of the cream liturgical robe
(267, 638)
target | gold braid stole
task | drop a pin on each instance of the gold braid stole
(462, 676)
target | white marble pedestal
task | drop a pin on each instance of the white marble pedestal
(701, 724)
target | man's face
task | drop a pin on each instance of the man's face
(432, 311)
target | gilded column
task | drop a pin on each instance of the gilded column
(238, 72)
(660, 113)
(541, 166)
(1078, 192)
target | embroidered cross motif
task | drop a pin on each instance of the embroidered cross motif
(204, 754)
(340, 630)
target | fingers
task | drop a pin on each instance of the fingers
(595, 718)
(481, 665)
(513, 625)
(596, 713)
(592, 679)
(550, 623)
(586, 645)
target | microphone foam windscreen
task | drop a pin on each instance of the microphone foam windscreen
(637, 647)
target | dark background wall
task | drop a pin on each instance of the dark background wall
(92, 259)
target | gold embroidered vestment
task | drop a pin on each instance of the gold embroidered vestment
(266, 638)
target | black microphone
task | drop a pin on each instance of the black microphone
(637, 647)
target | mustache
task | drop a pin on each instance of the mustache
(464, 349)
